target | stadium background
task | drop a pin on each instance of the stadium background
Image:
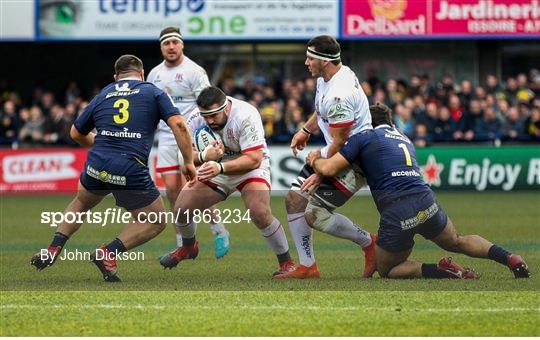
(409, 54)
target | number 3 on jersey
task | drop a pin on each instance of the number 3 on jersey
(408, 160)
(122, 105)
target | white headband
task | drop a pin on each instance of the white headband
(322, 56)
(168, 36)
(212, 111)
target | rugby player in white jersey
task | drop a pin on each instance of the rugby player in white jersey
(342, 109)
(183, 80)
(245, 167)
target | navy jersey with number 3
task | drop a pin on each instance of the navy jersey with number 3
(388, 160)
(125, 114)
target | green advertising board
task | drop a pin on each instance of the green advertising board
(481, 168)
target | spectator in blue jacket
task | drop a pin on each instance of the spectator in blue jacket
(489, 128)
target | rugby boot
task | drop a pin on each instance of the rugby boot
(46, 260)
(454, 271)
(106, 263)
(518, 266)
(284, 267)
(370, 264)
(172, 259)
(221, 244)
(300, 272)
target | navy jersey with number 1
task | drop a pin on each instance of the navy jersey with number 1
(388, 161)
(406, 203)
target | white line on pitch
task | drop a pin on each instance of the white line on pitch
(280, 307)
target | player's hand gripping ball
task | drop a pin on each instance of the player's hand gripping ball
(209, 144)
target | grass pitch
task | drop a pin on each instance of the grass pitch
(235, 296)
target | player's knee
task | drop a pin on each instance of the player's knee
(317, 217)
(172, 194)
(452, 243)
(159, 226)
(260, 214)
(294, 203)
(310, 218)
(461, 241)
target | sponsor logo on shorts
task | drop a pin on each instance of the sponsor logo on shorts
(421, 217)
(106, 177)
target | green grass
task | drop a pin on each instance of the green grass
(234, 296)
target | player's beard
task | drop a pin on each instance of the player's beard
(220, 126)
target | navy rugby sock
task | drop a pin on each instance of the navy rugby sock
(285, 257)
(429, 271)
(498, 254)
(59, 239)
(188, 242)
(116, 246)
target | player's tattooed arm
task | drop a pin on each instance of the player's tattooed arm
(182, 135)
(328, 167)
(83, 140)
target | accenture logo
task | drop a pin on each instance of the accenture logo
(386, 20)
(122, 134)
(38, 167)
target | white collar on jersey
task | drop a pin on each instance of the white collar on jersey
(129, 78)
(382, 126)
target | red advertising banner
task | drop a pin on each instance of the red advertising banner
(363, 19)
(40, 170)
(48, 170)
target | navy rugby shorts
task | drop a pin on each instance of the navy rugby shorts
(127, 178)
(410, 215)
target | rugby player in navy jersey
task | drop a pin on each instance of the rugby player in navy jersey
(407, 205)
(125, 115)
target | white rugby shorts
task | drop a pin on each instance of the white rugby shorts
(227, 184)
(169, 159)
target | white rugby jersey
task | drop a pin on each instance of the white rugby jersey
(183, 83)
(341, 102)
(243, 131)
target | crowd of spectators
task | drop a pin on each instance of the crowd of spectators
(426, 111)
(46, 120)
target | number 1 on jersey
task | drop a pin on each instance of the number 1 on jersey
(123, 115)
(408, 160)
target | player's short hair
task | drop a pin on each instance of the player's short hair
(128, 63)
(380, 114)
(210, 96)
(327, 45)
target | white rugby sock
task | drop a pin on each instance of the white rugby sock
(342, 227)
(178, 239)
(303, 238)
(275, 236)
(187, 230)
(217, 228)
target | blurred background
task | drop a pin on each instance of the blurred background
(458, 74)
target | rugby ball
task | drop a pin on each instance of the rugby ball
(204, 136)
